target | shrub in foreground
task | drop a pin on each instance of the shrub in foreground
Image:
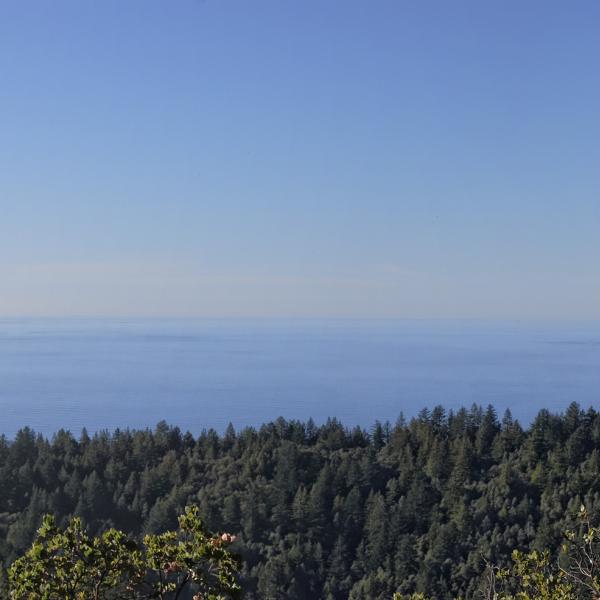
(68, 564)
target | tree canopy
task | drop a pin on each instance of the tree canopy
(324, 511)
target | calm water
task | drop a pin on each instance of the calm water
(132, 373)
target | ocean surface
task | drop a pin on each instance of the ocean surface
(109, 373)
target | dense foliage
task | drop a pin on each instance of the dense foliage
(573, 575)
(68, 564)
(325, 512)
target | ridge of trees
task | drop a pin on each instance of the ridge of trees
(421, 506)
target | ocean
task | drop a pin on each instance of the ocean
(119, 373)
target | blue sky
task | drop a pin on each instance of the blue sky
(300, 158)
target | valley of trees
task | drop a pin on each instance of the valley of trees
(325, 511)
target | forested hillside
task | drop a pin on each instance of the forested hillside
(323, 511)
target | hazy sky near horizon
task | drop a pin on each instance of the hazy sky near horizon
(300, 158)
